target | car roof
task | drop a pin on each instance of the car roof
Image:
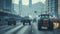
(44, 14)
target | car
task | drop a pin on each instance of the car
(11, 21)
(45, 23)
(25, 20)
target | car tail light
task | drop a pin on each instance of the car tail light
(46, 22)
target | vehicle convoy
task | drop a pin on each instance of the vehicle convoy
(25, 20)
(45, 23)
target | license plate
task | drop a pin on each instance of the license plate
(44, 27)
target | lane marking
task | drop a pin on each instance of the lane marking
(23, 30)
(32, 30)
(12, 30)
(6, 28)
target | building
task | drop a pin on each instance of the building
(5, 8)
(16, 9)
(52, 7)
(1, 4)
(20, 6)
(5, 5)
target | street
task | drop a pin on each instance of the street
(29, 16)
(27, 29)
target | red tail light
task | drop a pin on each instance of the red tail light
(46, 22)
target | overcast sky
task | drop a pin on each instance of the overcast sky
(25, 2)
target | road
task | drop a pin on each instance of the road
(27, 29)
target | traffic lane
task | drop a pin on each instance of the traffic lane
(25, 30)
(56, 31)
(29, 30)
(46, 32)
(3, 27)
(36, 31)
(11, 31)
(7, 28)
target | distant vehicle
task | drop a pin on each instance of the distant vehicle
(11, 21)
(45, 23)
(25, 20)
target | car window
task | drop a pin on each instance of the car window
(44, 16)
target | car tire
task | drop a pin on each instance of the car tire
(23, 23)
(9, 23)
(39, 28)
(29, 23)
(14, 23)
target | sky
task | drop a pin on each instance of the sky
(26, 2)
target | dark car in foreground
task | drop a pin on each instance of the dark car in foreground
(45, 23)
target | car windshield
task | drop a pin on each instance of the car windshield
(44, 16)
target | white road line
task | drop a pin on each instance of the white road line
(3, 26)
(12, 30)
(6, 28)
(22, 31)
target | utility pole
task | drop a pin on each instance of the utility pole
(20, 6)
